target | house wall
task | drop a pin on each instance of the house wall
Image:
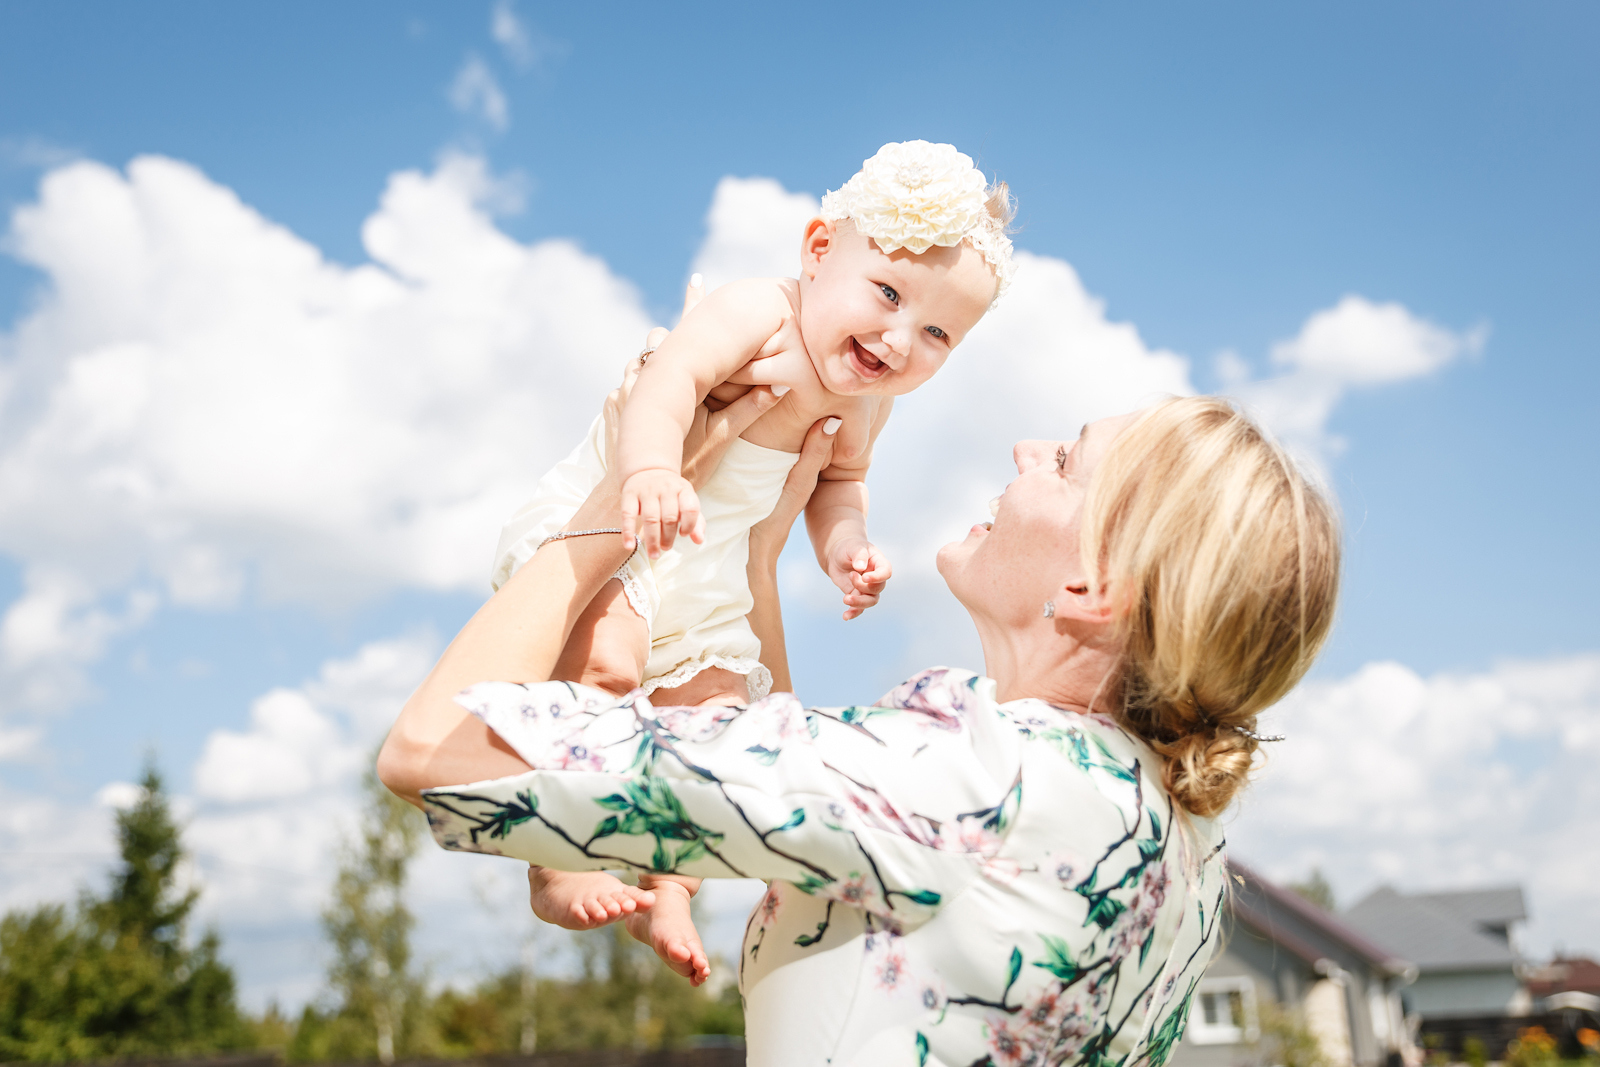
(1497, 992)
(1341, 1015)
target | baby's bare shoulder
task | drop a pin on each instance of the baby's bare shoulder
(760, 296)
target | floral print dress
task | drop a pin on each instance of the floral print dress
(952, 881)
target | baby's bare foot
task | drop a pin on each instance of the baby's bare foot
(668, 928)
(583, 900)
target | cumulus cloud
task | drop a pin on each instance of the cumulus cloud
(476, 92)
(522, 43)
(1438, 782)
(1354, 344)
(200, 401)
(753, 231)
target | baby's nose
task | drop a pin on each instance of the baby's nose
(898, 341)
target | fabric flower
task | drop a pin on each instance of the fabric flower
(914, 195)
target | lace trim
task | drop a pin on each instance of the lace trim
(757, 679)
(637, 598)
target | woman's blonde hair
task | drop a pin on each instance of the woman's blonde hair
(1224, 561)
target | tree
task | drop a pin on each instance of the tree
(118, 976)
(1316, 889)
(370, 928)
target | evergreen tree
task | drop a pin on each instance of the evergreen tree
(1316, 888)
(118, 977)
(370, 928)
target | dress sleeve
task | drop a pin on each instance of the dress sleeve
(892, 809)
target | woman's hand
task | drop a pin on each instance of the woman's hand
(768, 536)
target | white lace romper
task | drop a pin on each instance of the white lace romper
(694, 597)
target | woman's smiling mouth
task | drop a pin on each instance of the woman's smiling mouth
(864, 363)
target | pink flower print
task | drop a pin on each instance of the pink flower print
(939, 694)
(853, 891)
(876, 810)
(695, 723)
(892, 967)
(1007, 1046)
(974, 836)
(1154, 885)
(572, 754)
(1067, 868)
(769, 907)
(780, 717)
(1003, 871)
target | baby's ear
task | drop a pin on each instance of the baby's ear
(815, 243)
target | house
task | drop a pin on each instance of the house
(1462, 943)
(1288, 966)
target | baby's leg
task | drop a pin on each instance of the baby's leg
(668, 926)
(583, 900)
(608, 649)
(609, 646)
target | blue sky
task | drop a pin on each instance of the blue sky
(1217, 175)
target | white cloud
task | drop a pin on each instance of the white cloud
(1439, 782)
(1354, 344)
(522, 43)
(200, 400)
(753, 231)
(476, 92)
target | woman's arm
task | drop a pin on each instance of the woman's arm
(767, 539)
(519, 633)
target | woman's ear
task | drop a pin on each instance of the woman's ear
(1076, 600)
(815, 244)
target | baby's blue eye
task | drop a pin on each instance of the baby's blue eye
(894, 297)
(940, 334)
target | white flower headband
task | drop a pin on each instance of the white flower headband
(915, 195)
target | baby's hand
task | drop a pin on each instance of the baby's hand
(657, 506)
(860, 570)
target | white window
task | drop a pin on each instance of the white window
(1224, 1012)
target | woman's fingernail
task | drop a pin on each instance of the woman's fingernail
(832, 426)
(696, 281)
(779, 390)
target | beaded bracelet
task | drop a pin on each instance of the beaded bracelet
(563, 535)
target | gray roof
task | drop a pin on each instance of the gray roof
(1434, 937)
(1481, 907)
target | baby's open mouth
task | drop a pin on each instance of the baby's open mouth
(868, 365)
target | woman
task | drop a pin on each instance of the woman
(1022, 868)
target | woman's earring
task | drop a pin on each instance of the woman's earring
(1049, 609)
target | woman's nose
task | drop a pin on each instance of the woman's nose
(1029, 454)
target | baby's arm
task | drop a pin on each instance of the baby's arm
(715, 339)
(836, 519)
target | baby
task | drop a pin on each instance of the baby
(901, 263)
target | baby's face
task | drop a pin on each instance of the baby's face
(882, 324)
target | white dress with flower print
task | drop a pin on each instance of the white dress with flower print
(953, 881)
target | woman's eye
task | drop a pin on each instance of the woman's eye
(894, 297)
(940, 334)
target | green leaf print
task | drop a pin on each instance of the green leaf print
(765, 756)
(1155, 826)
(1103, 911)
(922, 1049)
(794, 820)
(1159, 1050)
(1149, 850)
(920, 896)
(649, 806)
(1012, 970)
(1059, 962)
